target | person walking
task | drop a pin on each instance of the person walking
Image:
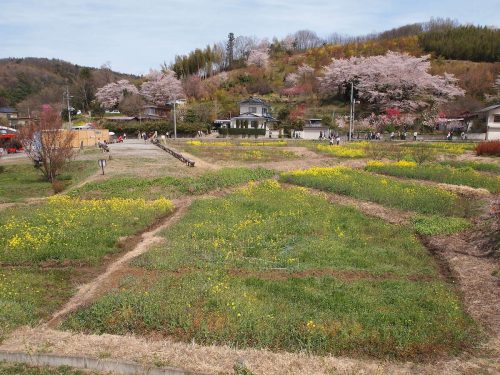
(414, 135)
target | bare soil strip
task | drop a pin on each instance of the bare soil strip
(87, 292)
(221, 359)
(390, 215)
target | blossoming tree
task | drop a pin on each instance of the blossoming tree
(110, 95)
(393, 80)
(161, 87)
(258, 58)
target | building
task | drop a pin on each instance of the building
(10, 115)
(314, 129)
(489, 117)
(154, 112)
(254, 114)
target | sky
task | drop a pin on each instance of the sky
(136, 35)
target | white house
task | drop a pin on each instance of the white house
(314, 129)
(491, 116)
(254, 114)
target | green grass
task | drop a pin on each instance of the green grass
(388, 192)
(23, 369)
(240, 154)
(28, 295)
(437, 225)
(438, 173)
(476, 165)
(285, 270)
(20, 181)
(149, 188)
(71, 229)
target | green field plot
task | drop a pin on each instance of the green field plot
(383, 190)
(150, 188)
(438, 173)
(28, 295)
(240, 154)
(19, 181)
(277, 268)
(65, 228)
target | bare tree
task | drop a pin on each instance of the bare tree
(305, 39)
(47, 143)
(131, 105)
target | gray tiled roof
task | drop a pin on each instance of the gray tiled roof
(7, 110)
(252, 100)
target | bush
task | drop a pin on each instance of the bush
(422, 155)
(242, 131)
(133, 127)
(491, 148)
(2, 169)
(57, 187)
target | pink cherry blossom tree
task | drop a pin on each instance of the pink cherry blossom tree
(394, 80)
(303, 81)
(161, 87)
(110, 95)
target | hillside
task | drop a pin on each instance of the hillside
(214, 79)
(29, 82)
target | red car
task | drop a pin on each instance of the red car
(9, 143)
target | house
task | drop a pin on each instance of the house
(314, 129)
(489, 117)
(254, 114)
(154, 112)
(9, 114)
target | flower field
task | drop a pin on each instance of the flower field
(439, 173)
(73, 229)
(152, 188)
(237, 143)
(350, 150)
(277, 268)
(364, 185)
(220, 152)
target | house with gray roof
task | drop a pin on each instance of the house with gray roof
(255, 113)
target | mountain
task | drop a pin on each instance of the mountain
(26, 83)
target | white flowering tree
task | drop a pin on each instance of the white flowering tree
(258, 58)
(161, 87)
(110, 95)
(393, 80)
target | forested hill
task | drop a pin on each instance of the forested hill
(30, 82)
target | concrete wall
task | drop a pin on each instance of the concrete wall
(101, 365)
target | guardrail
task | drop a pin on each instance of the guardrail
(175, 154)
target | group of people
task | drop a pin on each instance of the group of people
(334, 138)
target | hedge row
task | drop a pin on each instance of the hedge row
(133, 127)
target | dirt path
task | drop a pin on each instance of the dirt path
(88, 292)
(221, 359)
(390, 215)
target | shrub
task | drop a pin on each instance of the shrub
(57, 186)
(491, 148)
(423, 154)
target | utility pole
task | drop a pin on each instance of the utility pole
(67, 102)
(175, 118)
(351, 115)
